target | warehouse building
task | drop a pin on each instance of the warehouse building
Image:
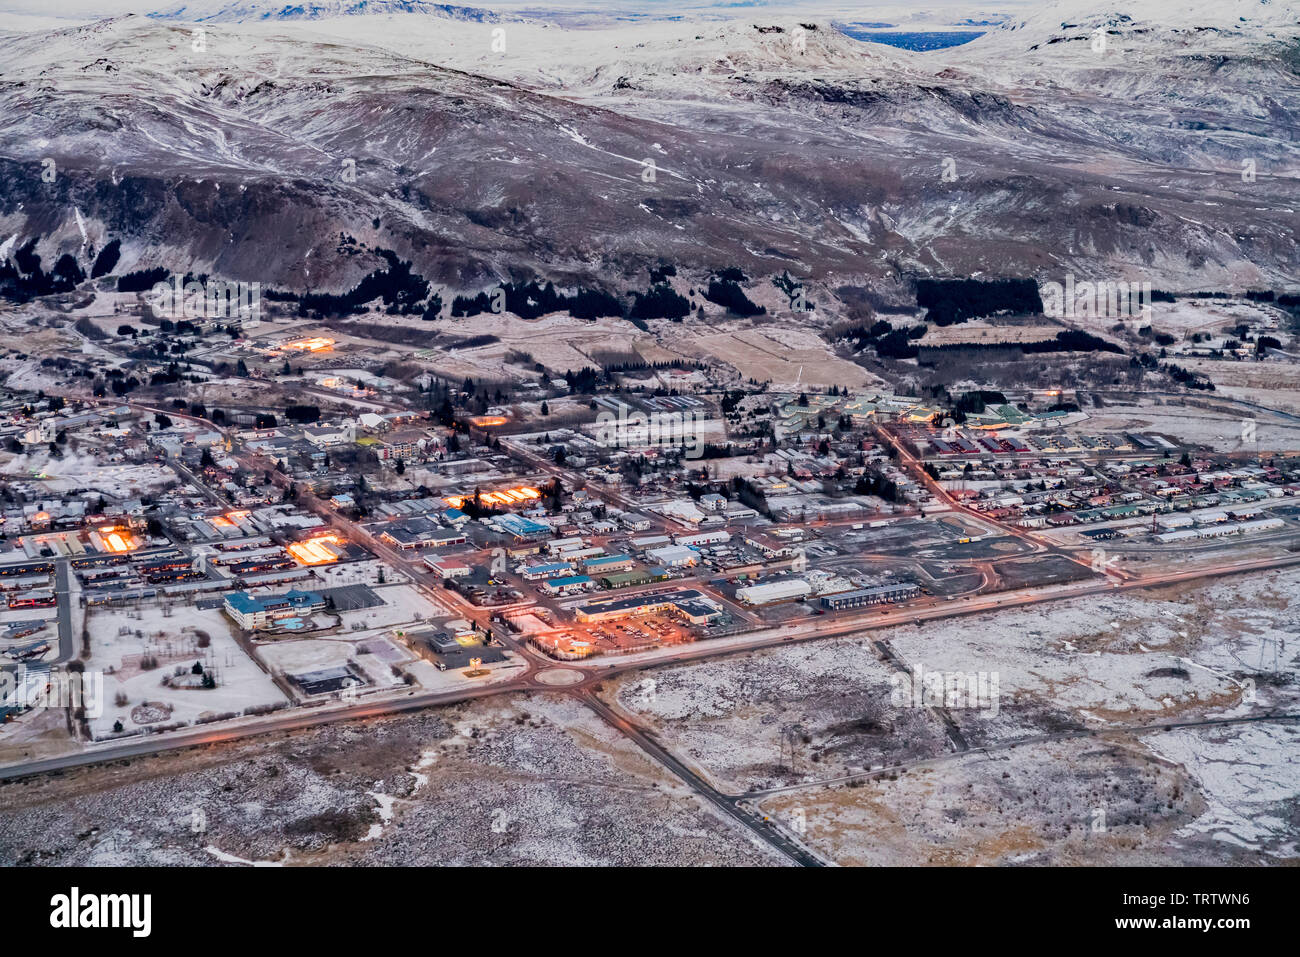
(717, 537)
(604, 564)
(558, 545)
(769, 547)
(447, 567)
(520, 527)
(687, 603)
(881, 594)
(672, 556)
(547, 570)
(628, 579)
(568, 585)
(420, 532)
(767, 593)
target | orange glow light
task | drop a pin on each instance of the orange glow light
(314, 551)
(117, 539)
(311, 344)
(509, 496)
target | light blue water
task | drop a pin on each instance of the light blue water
(921, 42)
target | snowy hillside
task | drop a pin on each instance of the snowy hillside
(480, 147)
(251, 11)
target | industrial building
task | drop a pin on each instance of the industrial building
(716, 537)
(604, 564)
(686, 603)
(671, 556)
(770, 547)
(568, 585)
(628, 579)
(520, 527)
(766, 593)
(420, 532)
(558, 545)
(880, 594)
(447, 567)
(546, 570)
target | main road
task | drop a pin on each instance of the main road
(596, 671)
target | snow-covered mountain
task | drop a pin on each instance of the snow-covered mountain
(485, 148)
(249, 11)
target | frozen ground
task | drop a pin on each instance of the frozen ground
(297, 656)
(1131, 659)
(1104, 662)
(734, 718)
(536, 780)
(1206, 795)
(1227, 797)
(1249, 776)
(74, 472)
(1064, 770)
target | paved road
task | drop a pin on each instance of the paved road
(296, 719)
(824, 627)
(63, 590)
(179, 468)
(767, 830)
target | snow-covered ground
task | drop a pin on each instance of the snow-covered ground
(119, 638)
(1249, 776)
(534, 780)
(1106, 661)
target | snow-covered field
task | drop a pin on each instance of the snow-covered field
(1109, 661)
(733, 718)
(315, 654)
(77, 472)
(1220, 430)
(120, 638)
(1249, 776)
(536, 780)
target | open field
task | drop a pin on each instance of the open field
(536, 780)
(816, 712)
(982, 332)
(1202, 426)
(142, 652)
(781, 355)
(1179, 798)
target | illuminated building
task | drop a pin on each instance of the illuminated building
(508, 496)
(311, 344)
(116, 539)
(318, 550)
